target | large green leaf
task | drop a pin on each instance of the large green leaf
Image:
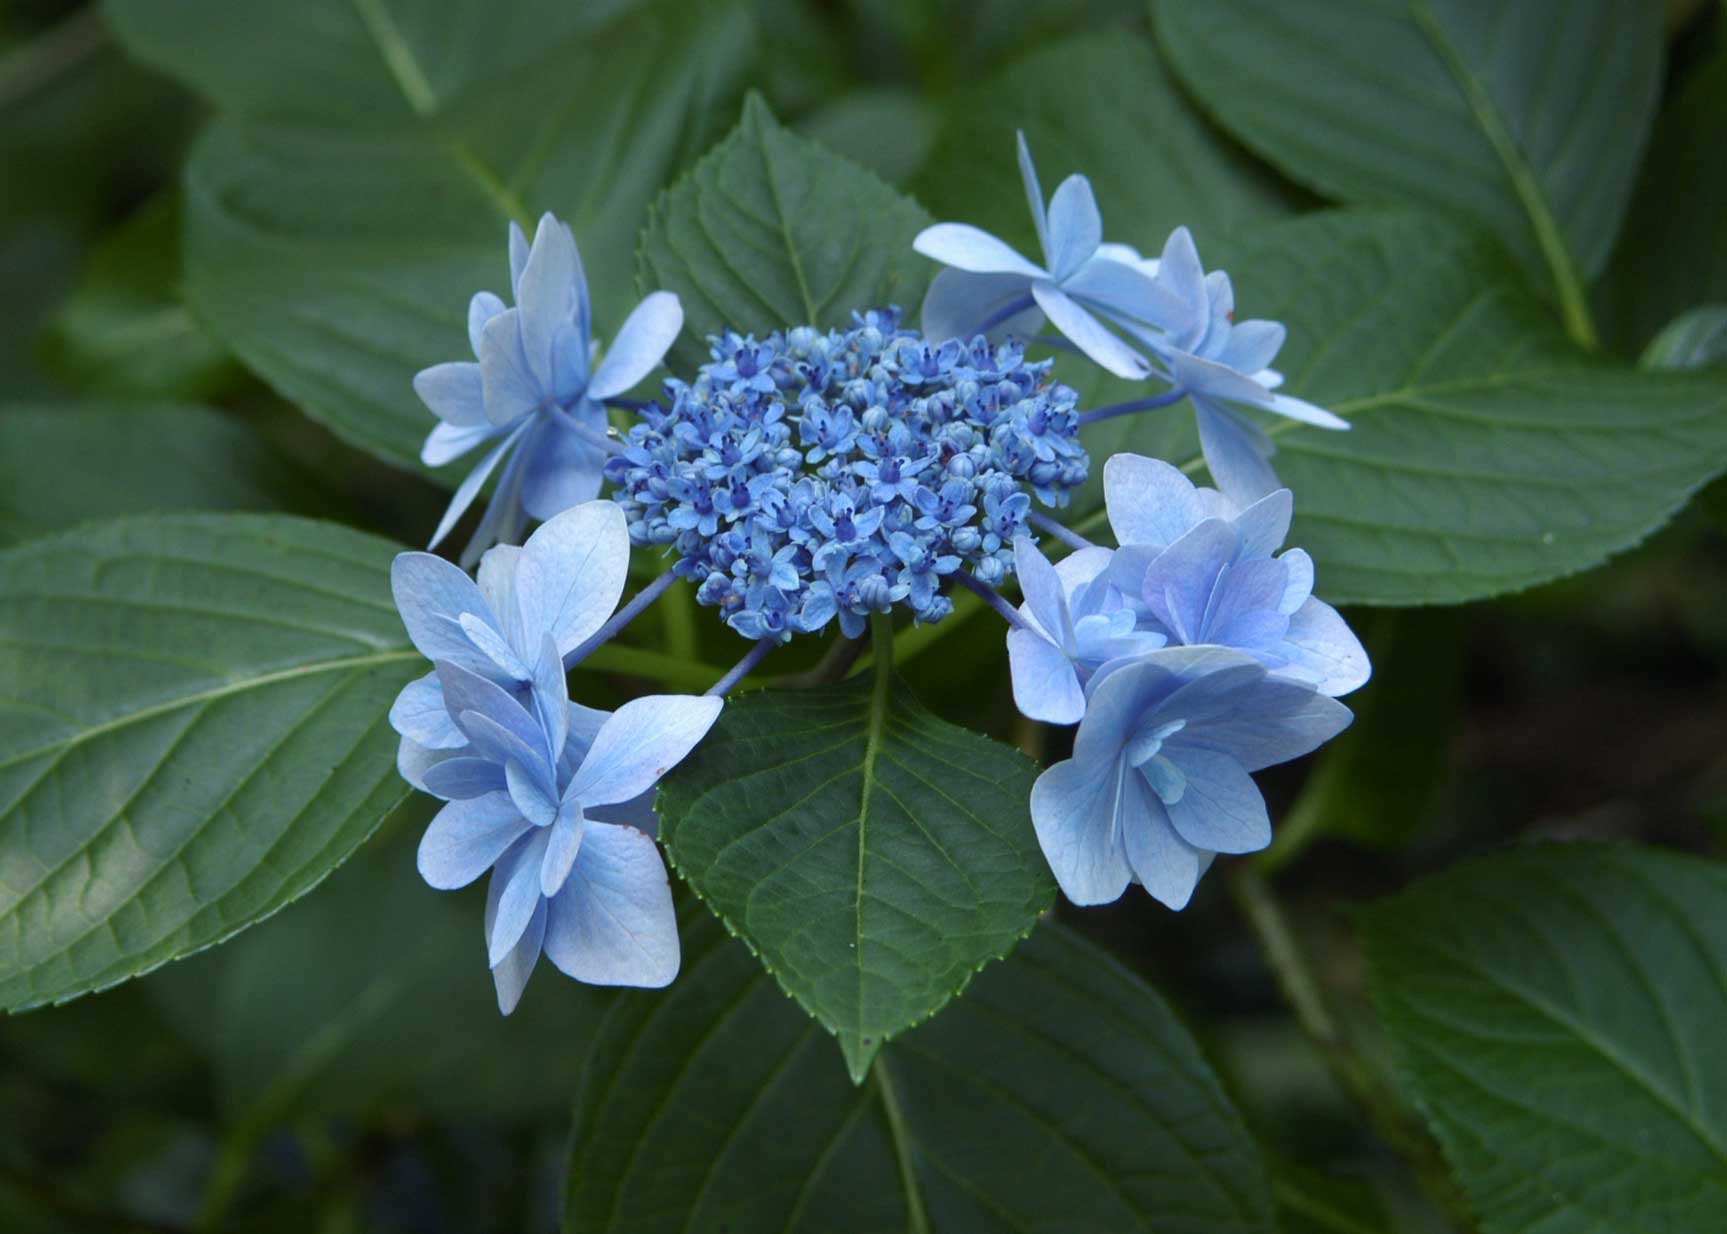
(336, 262)
(1674, 255)
(65, 463)
(1061, 1094)
(1527, 119)
(1558, 1014)
(1104, 105)
(873, 855)
(770, 230)
(375, 993)
(1486, 452)
(192, 733)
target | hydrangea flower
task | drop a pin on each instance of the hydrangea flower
(1159, 779)
(534, 389)
(1220, 364)
(992, 289)
(813, 475)
(1198, 568)
(562, 584)
(527, 798)
(1076, 625)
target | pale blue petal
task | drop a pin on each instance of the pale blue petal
(572, 572)
(1042, 587)
(545, 296)
(519, 255)
(564, 843)
(470, 695)
(470, 487)
(1045, 685)
(1033, 196)
(432, 594)
(1180, 582)
(419, 713)
(512, 390)
(466, 838)
(560, 469)
(585, 725)
(1207, 378)
(1116, 706)
(1076, 813)
(639, 743)
(959, 303)
(1075, 227)
(965, 247)
(613, 922)
(506, 664)
(1148, 501)
(510, 975)
(454, 393)
(504, 518)
(497, 582)
(1124, 291)
(1323, 649)
(1087, 333)
(1298, 580)
(414, 761)
(1221, 808)
(1163, 863)
(1233, 453)
(531, 792)
(1179, 270)
(1307, 413)
(481, 309)
(464, 778)
(1264, 524)
(448, 442)
(1252, 345)
(551, 696)
(518, 877)
(642, 342)
(1276, 721)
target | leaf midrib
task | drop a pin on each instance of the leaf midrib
(878, 708)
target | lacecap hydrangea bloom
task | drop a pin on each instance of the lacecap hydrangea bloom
(535, 390)
(1095, 292)
(814, 475)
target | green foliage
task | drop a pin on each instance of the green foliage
(1557, 1013)
(1059, 1094)
(1527, 120)
(873, 856)
(333, 238)
(770, 230)
(192, 734)
(200, 459)
(1486, 453)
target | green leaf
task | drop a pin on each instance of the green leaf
(770, 230)
(66, 463)
(1100, 104)
(1671, 258)
(126, 329)
(192, 734)
(1558, 1013)
(1486, 453)
(337, 262)
(1060, 1094)
(375, 993)
(1525, 119)
(1697, 339)
(887, 129)
(874, 856)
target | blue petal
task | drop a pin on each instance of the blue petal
(642, 342)
(463, 778)
(1088, 334)
(1165, 864)
(1044, 594)
(1076, 811)
(531, 792)
(1180, 583)
(1075, 227)
(466, 838)
(613, 923)
(519, 255)
(1221, 808)
(454, 393)
(571, 573)
(1148, 501)
(1123, 291)
(1233, 452)
(419, 713)
(470, 487)
(481, 309)
(448, 442)
(1307, 413)
(1179, 269)
(517, 877)
(562, 847)
(545, 295)
(1045, 685)
(1323, 649)
(504, 517)
(551, 695)
(1252, 345)
(561, 470)
(510, 975)
(965, 247)
(959, 304)
(512, 389)
(638, 744)
(432, 595)
(1264, 524)
(1033, 195)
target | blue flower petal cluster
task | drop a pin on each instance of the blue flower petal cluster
(551, 796)
(535, 390)
(814, 475)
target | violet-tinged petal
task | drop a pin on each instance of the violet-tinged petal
(1148, 501)
(1163, 863)
(1220, 808)
(613, 923)
(1044, 594)
(1045, 685)
(959, 304)
(466, 838)
(1324, 650)
(1076, 811)
(1264, 524)
(560, 469)
(512, 388)
(1180, 583)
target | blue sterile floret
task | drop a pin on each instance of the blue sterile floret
(811, 475)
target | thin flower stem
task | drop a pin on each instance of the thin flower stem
(743, 667)
(1301, 988)
(1072, 539)
(1013, 308)
(646, 596)
(598, 440)
(835, 663)
(990, 596)
(1127, 408)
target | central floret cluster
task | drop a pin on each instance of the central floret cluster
(811, 475)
